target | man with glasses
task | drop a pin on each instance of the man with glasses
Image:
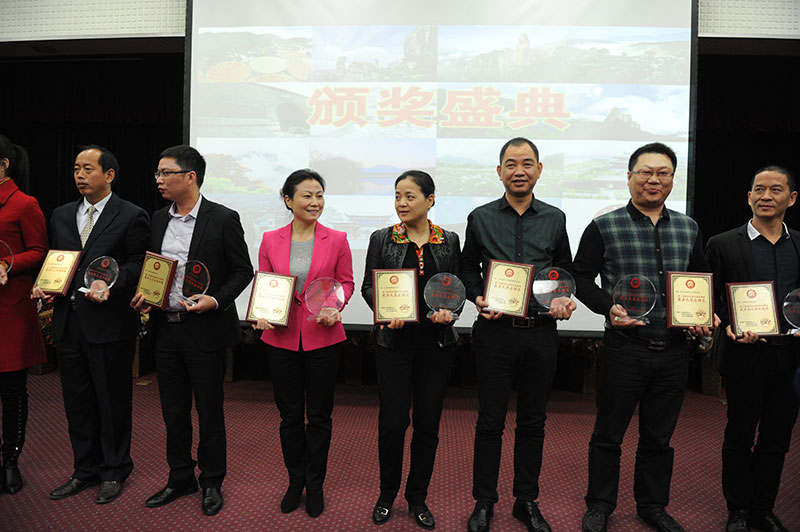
(190, 339)
(639, 363)
(95, 332)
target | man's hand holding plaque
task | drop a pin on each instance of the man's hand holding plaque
(55, 276)
(155, 282)
(507, 290)
(634, 297)
(99, 277)
(753, 311)
(270, 300)
(553, 288)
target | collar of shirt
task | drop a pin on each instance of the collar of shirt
(173, 212)
(435, 236)
(503, 204)
(636, 214)
(753, 233)
(99, 206)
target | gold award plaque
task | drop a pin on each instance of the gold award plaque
(395, 295)
(752, 308)
(155, 280)
(508, 287)
(690, 299)
(57, 271)
(271, 298)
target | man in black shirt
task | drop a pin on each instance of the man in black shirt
(513, 353)
(758, 374)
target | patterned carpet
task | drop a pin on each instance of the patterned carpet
(256, 476)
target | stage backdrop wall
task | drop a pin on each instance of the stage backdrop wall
(363, 90)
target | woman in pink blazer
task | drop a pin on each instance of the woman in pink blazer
(304, 357)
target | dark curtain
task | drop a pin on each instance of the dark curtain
(748, 116)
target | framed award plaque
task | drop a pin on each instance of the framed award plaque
(752, 307)
(508, 287)
(690, 299)
(155, 280)
(394, 295)
(57, 271)
(271, 298)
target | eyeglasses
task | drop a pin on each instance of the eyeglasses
(166, 173)
(647, 173)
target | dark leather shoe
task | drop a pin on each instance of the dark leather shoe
(738, 521)
(528, 512)
(12, 480)
(381, 512)
(168, 494)
(768, 523)
(659, 519)
(109, 490)
(422, 515)
(315, 502)
(212, 501)
(71, 487)
(481, 515)
(291, 500)
(594, 521)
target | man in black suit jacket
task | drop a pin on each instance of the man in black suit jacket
(95, 333)
(190, 339)
(757, 372)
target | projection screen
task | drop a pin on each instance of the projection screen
(361, 90)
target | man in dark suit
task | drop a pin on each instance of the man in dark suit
(95, 333)
(191, 338)
(757, 372)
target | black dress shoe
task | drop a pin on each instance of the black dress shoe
(315, 502)
(71, 487)
(594, 521)
(481, 515)
(169, 494)
(12, 480)
(659, 519)
(381, 512)
(528, 512)
(212, 501)
(738, 521)
(109, 490)
(291, 500)
(767, 522)
(422, 515)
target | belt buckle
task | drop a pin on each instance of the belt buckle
(522, 323)
(657, 345)
(173, 317)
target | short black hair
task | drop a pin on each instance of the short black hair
(188, 159)
(422, 179)
(779, 169)
(18, 163)
(653, 147)
(518, 141)
(295, 178)
(107, 160)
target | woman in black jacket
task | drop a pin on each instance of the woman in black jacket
(411, 359)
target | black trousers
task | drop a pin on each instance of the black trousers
(406, 375)
(14, 395)
(509, 358)
(631, 374)
(97, 386)
(303, 382)
(186, 368)
(763, 399)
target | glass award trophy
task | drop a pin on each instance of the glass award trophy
(324, 297)
(444, 291)
(6, 261)
(551, 284)
(100, 275)
(637, 295)
(196, 279)
(791, 310)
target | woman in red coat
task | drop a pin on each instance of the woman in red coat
(22, 228)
